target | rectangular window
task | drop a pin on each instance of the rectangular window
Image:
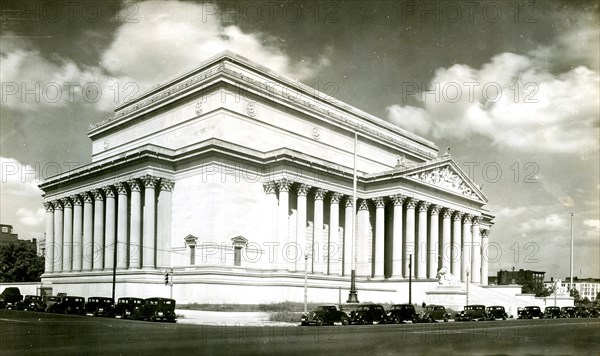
(192, 255)
(237, 256)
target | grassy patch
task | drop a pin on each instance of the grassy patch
(285, 316)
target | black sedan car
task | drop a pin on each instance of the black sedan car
(100, 306)
(582, 312)
(158, 309)
(472, 312)
(552, 312)
(70, 305)
(531, 312)
(29, 302)
(400, 313)
(325, 315)
(432, 313)
(128, 308)
(368, 314)
(496, 312)
(568, 312)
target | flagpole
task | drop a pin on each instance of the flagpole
(571, 281)
(353, 296)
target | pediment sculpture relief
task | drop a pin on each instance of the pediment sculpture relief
(445, 178)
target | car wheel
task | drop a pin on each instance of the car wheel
(345, 320)
(431, 319)
(319, 321)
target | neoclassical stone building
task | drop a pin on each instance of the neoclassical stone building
(235, 178)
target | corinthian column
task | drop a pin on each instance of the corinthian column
(135, 234)
(397, 256)
(363, 268)
(271, 192)
(98, 230)
(282, 221)
(410, 235)
(88, 231)
(422, 241)
(122, 216)
(77, 232)
(467, 247)
(446, 248)
(49, 250)
(163, 223)
(379, 237)
(334, 236)
(476, 252)
(68, 234)
(58, 235)
(457, 244)
(149, 243)
(434, 238)
(110, 228)
(319, 242)
(348, 230)
(484, 261)
(301, 228)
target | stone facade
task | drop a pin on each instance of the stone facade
(235, 178)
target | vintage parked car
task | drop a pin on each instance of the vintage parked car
(128, 308)
(472, 312)
(28, 302)
(433, 313)
(531, 312)
(368, 314)
(47, 303)
(400, 313)
(594, 313)
(582, 312)
(552, 312)
(100, 306)
(496, 312)
(157, 309)
(70, 305)
(10, 297)
(325, 314)
(568, 312)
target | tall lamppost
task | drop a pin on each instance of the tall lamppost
(468, 272)
(353, 295)
(571, 281)
(410, 278)
(305, 281)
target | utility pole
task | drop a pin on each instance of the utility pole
(571, 281)
(410, 278)
(353, 296)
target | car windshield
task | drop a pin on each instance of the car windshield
(439, 308)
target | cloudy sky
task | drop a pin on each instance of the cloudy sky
(511, 86)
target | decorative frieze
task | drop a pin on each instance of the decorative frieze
(445, 178)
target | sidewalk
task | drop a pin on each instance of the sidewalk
(199, 317)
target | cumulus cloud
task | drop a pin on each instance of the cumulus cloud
(512, 102)
(594, 223)
(29, 217)
(168, 39)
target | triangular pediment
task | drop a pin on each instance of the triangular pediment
(447, 175)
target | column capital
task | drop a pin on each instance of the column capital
(363, 205)
(335, 197)
(320, 193)
(270, 187)
(424, 206)
(435, 209)
(76, 199)
(109, 191)
(411, 203)
(98, 194)
(398, 199)
(66, 202)
(447, 213)
(379, 202)
(121, 188)
(485, 232)
(150, 181)
(57, 204)
(87, 197)
(349, 201)
(303, 189)
(167, 185)
(467, 218)
(458, 215)
(48, 206)
(284, 185)
(134, 185)
(476, 220)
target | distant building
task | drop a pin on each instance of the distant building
(521, 277)
(6, 235)
(587, 287)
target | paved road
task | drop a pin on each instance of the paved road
(30, 333)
